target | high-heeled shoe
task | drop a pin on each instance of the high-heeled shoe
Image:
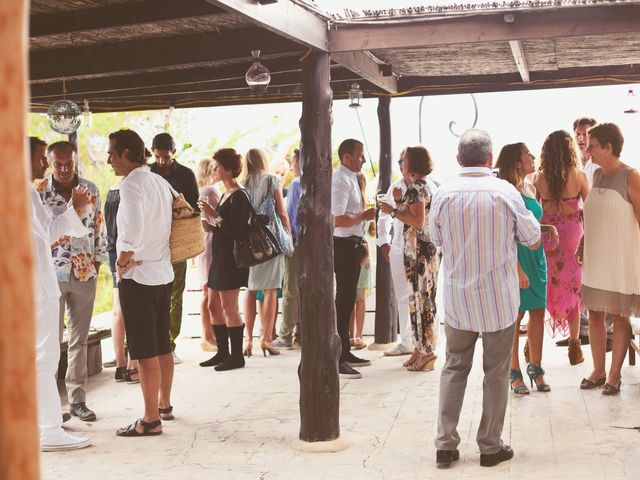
(248, 348)
(534, 371)
(424, 363)
(587, 384)
(515, 375)
(412, 359)
(268, 348)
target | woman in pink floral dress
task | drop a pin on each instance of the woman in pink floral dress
(562, 187)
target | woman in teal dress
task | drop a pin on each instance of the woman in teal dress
(515, 162)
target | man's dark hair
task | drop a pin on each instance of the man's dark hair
(35, 142)
(584, 121)
(131, 141)
(163, 141)
(62, 145)
(348, 146)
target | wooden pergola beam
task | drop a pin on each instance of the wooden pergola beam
(284, 18)
(118, 15)
(543, 23)
(156, 52)
(520, 59)
(364, 65)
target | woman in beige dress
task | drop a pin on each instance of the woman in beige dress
(610, 254)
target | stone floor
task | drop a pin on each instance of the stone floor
(244, 424)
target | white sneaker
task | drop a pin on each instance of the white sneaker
(176, 358)
(64, 441)
(399, 349)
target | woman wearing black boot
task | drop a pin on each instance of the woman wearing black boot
(231, 221)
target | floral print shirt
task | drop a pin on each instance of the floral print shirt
(77, 255)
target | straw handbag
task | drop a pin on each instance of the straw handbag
(187, 234)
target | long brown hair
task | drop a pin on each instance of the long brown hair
(507, 163)
(559, 156)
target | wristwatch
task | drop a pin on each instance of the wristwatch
(393, 213)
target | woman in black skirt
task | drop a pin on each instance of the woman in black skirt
(231, 222)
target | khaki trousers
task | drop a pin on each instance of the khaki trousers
(78, 297)
(496, 358)
(290, 297)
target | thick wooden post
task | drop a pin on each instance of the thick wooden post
(386, 307)
(19, 446)
(318, 370)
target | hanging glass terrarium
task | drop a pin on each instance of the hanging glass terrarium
(258, 76)
(64, 116)
(632, 106)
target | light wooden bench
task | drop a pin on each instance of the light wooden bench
(94, 351)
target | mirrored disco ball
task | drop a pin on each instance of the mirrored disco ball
(64, 116)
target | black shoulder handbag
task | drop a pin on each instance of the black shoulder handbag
(259, 244)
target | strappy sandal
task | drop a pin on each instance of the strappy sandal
(424, 363)
(608, 389)
(412, 359)
(130, 431)
(166, 413)
(128, 375)
(587, 384)
(515, 375)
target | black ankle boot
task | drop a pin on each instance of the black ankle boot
(222, 341)
(236, 359)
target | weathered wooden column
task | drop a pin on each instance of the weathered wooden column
(386, 308)
(318, 370)
(19, 446)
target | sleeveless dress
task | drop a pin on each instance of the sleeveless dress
(267, 275)
(421, 264)
(235, 212)
(203, 261)
(564, 275)
(611, 259)
(534, 264)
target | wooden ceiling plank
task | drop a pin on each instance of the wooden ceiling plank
(365, 66)
(521, 61)
(156, 53)
(285, 18)
(118, 15)
(552, 23)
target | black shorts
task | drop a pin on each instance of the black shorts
(146, 318)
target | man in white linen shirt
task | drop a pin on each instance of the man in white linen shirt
(46, 230)
(477, 219)
(391, 241)
(348, 246)
(146, 276)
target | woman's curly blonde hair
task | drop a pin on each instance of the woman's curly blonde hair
(559, 156)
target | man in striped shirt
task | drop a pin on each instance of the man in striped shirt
(477, 219)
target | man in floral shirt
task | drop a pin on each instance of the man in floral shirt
(77, 263)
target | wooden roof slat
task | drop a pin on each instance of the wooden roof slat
(562, 22)
(156, 53)
(118, 15)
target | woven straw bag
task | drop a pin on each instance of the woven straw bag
(187, 234)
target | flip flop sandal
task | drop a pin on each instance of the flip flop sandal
(131, 431)
(166, 413)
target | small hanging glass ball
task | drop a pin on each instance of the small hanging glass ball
(64, 116)
(258, 76)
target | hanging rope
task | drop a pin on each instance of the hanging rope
(366, 145)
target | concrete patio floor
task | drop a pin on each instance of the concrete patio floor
(244, 424)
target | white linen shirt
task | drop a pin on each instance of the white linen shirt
(144, 226)
(346, 200)
(590, 168)
(476, 219)
(390, 229)
(47, 229)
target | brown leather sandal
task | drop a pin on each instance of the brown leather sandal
(587, 384)
(608, 389)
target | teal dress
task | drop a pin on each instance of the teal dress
(534, 264)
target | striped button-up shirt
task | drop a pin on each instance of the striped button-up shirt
(477, 219)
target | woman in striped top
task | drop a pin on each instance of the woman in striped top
(609, 253)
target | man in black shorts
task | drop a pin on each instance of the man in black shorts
(146, 276)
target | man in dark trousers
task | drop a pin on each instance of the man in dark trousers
(183, 181)
(348, 245)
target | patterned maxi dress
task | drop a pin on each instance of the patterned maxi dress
(564, 275)
(421, 264)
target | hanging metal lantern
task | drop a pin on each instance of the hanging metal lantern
(258, 76)
(632, 102)
(355, 95)
(64, 116)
